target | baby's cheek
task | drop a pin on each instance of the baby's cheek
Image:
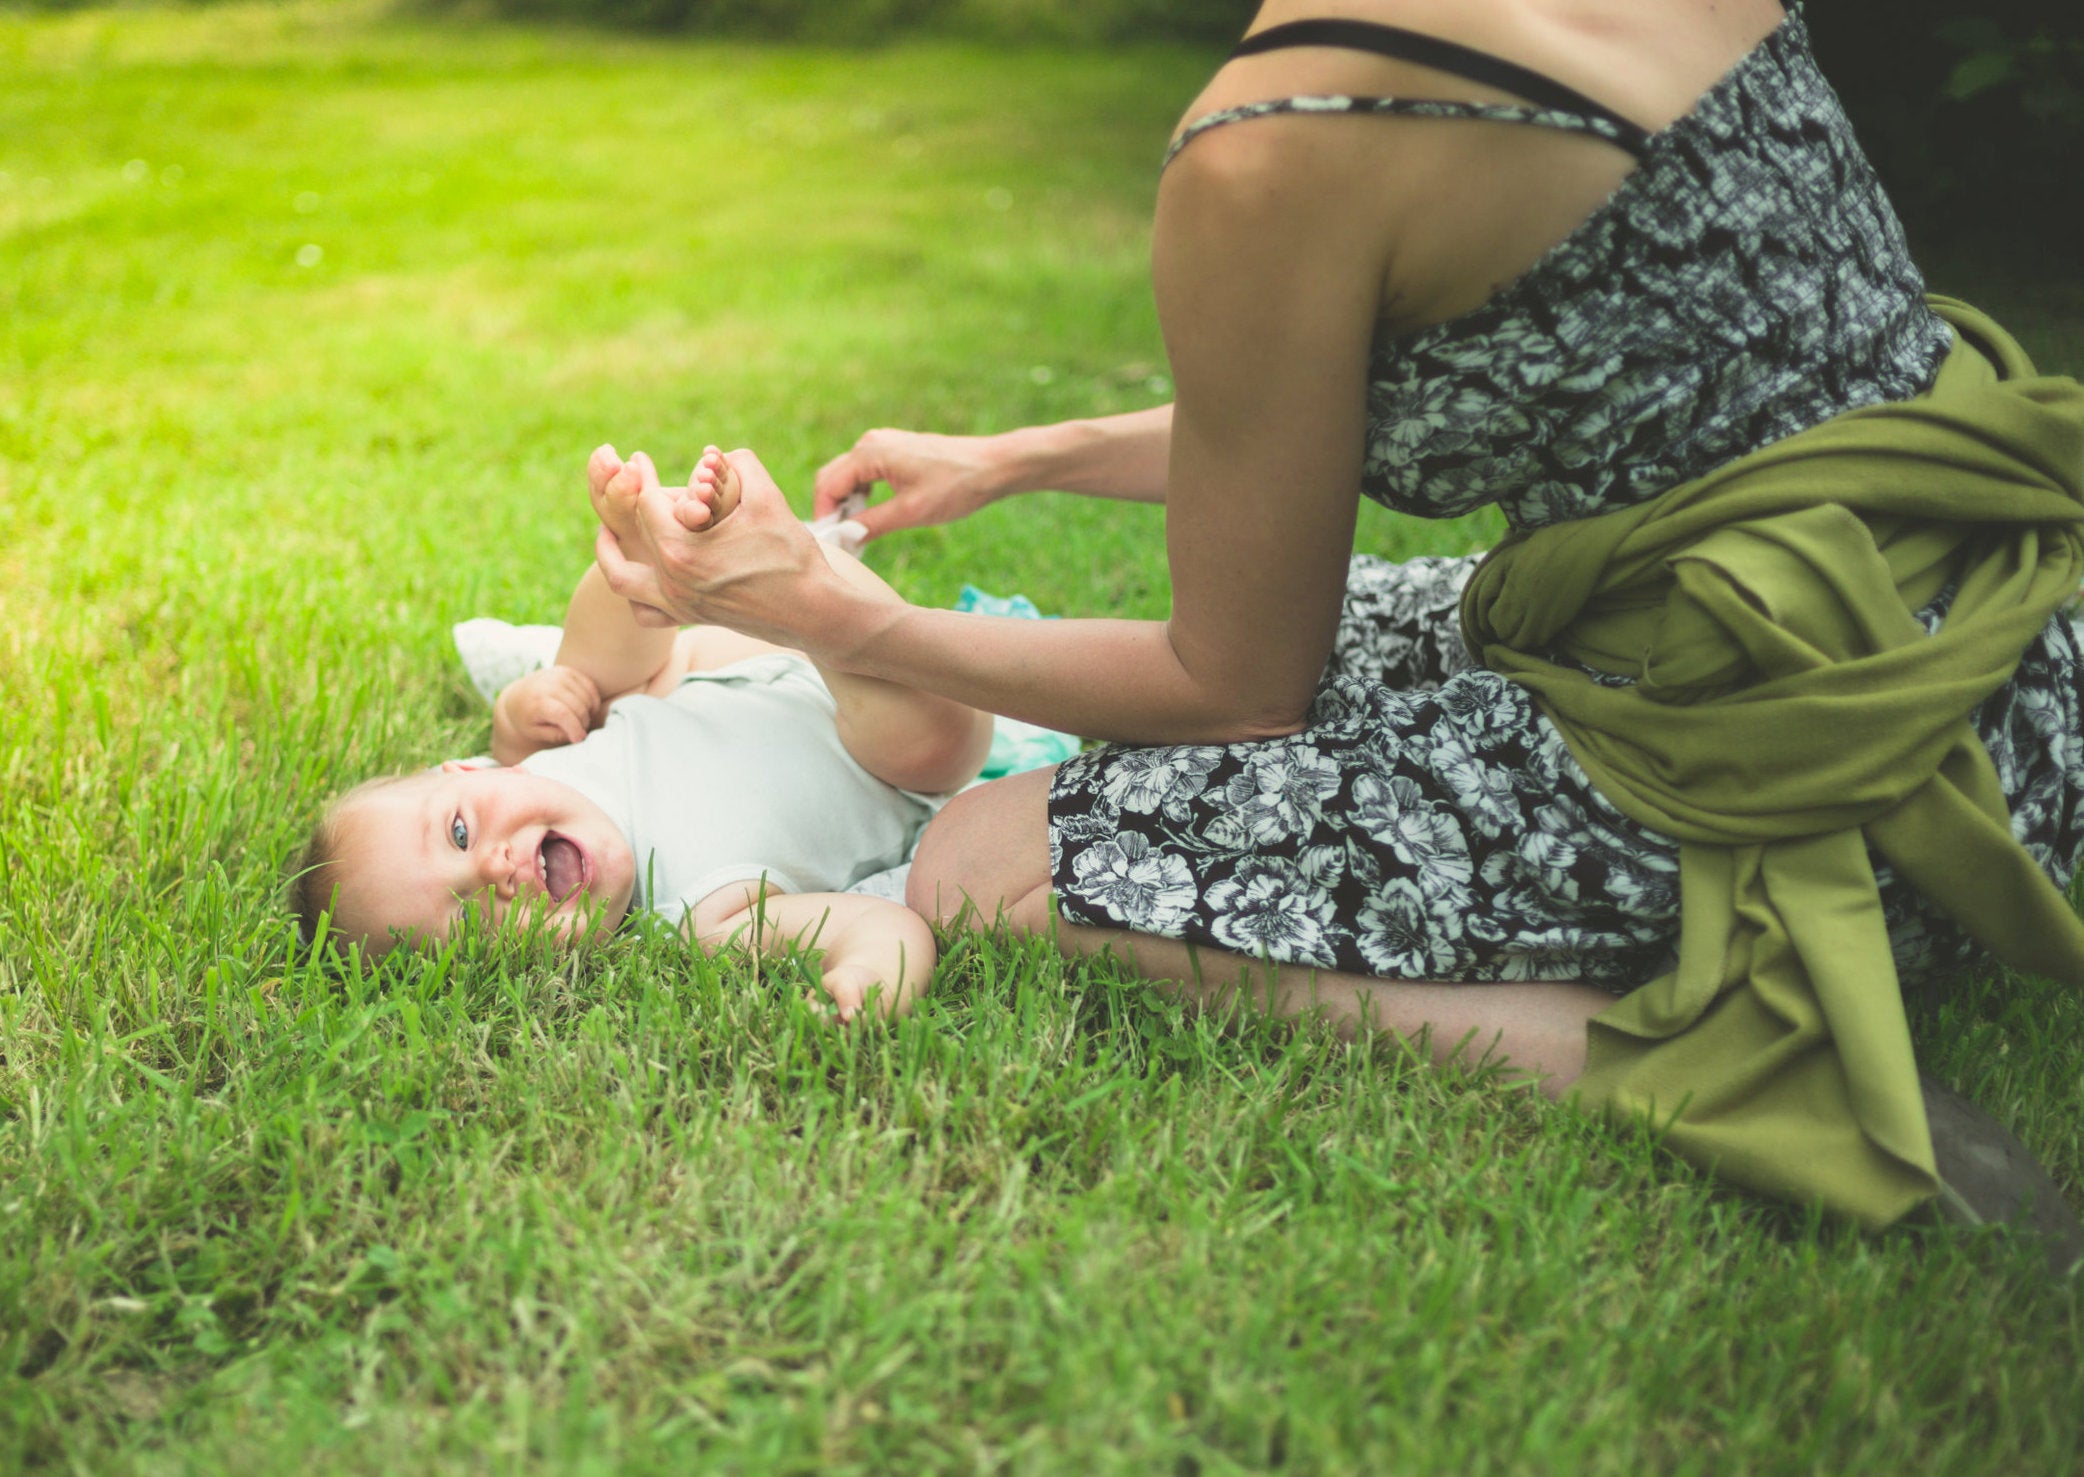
(617, 882)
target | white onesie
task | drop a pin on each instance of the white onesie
(738, 774)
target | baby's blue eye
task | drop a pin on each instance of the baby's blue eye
(459, 834)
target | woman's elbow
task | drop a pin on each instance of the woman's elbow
(1237, 693)
(1255, 718)
(1285, 723)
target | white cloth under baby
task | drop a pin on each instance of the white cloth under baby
(738, 774)
(838, 527)
(495, 653)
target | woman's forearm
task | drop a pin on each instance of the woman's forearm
(1239, 659)
(1117, 680)
(938, 479)
(1117, 456)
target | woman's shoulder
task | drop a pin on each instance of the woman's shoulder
(1459, 204)
(1647, 60)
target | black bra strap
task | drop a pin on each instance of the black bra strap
(1443, 56)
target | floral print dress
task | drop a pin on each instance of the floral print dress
(1747, 281)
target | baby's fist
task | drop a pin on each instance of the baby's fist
(544, 710)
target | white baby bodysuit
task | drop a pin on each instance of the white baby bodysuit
(738, 774)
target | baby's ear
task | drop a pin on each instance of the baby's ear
(479, 765)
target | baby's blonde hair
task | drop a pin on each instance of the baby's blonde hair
(311, 889)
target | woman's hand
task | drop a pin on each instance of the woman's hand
(678, 562)
(932, 478)
(938, 479)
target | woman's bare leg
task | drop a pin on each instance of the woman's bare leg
(989, 850)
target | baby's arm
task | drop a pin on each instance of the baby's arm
(871, 945)
(604, 654)
(545, 709)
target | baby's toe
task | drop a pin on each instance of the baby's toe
(728, 485)
(624, 485)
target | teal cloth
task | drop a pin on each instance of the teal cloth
(1016, 747)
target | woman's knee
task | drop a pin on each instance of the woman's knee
(988, 848)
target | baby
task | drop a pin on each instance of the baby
(723, 782)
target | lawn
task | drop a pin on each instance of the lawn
(308, 318)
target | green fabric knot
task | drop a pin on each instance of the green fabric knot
(1787, 710)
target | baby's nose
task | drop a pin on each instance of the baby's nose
(497, 871)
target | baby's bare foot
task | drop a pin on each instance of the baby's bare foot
(603, 464)
(613, 485)
(715, 482)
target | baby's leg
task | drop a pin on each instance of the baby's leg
(704, 649)
(601, 635)
(904, 737)
(911, 739)
(634, 658)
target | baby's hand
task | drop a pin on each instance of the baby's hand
(544, 710)
(846, 991)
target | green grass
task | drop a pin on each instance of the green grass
(634, 1211)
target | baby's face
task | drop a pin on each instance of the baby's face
(416, 855)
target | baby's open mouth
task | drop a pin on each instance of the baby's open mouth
(563, 866)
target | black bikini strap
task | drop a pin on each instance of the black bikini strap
(1443, 56)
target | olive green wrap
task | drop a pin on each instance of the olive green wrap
(1788, 709)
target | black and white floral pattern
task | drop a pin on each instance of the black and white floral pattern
(1426, 824)
(1429, 823)
(1748, 280)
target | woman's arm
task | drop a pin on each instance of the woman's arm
(938, 479)
(1269, 258)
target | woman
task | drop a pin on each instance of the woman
(1590, 260)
